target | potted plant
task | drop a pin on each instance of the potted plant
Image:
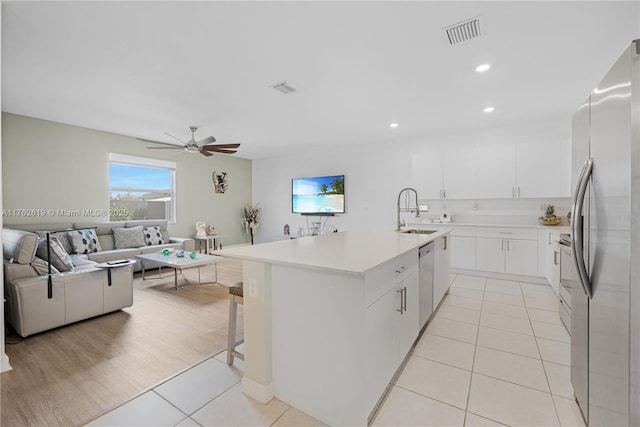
(550, 218)
(250, 219)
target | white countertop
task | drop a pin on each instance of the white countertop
(558, 228)
(353, 252)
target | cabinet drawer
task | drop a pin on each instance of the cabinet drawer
(508, 233)
(385, 276)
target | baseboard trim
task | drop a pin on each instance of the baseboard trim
(504, 276)
(261, 393)
(4, 363)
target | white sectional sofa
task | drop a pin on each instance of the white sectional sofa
(83, 292)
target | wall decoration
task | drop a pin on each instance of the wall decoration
(220, 181)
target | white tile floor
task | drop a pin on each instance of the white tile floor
(495, 354)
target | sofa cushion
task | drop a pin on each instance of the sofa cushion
(113, 255)
(60, 259)
(42, 267)
(62, 237)
(19, 245)
(84, 241)
(128, 237)
(153, 235)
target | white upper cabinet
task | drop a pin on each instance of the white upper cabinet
(523, 170)
(459, 174)
(427, 174)
(496, 172)
(447, 174)
(539, 170)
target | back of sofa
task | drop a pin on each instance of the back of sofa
(104, 230)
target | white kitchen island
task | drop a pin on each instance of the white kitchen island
(329, 319)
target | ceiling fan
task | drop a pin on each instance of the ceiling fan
(203, 146)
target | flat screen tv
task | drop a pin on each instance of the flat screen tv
(320, 195)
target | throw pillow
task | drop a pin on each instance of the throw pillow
(84, 241)
(153, 235)
(62, 237)
(128, 237)
(42, 267)
(60, 259)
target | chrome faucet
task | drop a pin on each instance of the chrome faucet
(406, 209)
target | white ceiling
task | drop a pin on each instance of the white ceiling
(143, 68)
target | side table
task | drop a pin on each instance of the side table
(214, 242)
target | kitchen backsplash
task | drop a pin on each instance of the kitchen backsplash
(509, 212)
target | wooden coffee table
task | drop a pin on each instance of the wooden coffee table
(179, 263)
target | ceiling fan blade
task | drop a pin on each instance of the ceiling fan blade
(158, 142)
(166, 148)
(176, 138)
(205, 141)
(206, 153)
(213, 147)
(222, 151)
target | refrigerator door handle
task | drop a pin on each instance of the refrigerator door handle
(577, 241)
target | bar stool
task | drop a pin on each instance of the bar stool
(235, 298)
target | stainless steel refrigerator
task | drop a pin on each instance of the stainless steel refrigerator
(605, 301)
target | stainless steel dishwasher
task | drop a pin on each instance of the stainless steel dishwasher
(425, 275)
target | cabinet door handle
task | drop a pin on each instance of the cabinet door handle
(444, 194)
(505, 232)
(507, 244)
(513, 191)
(555, 257)
(405, 298)
(401, 306)
(401, 270)
(444, 247)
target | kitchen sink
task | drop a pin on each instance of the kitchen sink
(419, 231)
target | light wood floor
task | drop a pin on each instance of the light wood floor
(71, 375)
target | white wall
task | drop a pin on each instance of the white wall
(4, 360)
(48, 165)
(374, 175)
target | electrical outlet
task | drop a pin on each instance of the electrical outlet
(253, 288)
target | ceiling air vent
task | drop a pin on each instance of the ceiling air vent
(284, 88)
(464, 31)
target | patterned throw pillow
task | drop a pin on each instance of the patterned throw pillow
(60, 259)
(62, 237)
(42, 267)
(125, 238)
(153, 235)
(84, 241)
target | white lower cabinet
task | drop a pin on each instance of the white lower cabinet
(463, 252)
(513, 256)
(407, 319)
(490, 254)
(392, 323)
(521, 257)
(441, 269)
(552, 260)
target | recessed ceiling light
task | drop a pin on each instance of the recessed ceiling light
(393, 125)
(482, 68)
(488, 110)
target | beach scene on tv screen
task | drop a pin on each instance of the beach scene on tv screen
(320, 194)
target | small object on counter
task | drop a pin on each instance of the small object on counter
(192, 255)
(550, 218)
(166, 252)
(287, 230)
(180, 254)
